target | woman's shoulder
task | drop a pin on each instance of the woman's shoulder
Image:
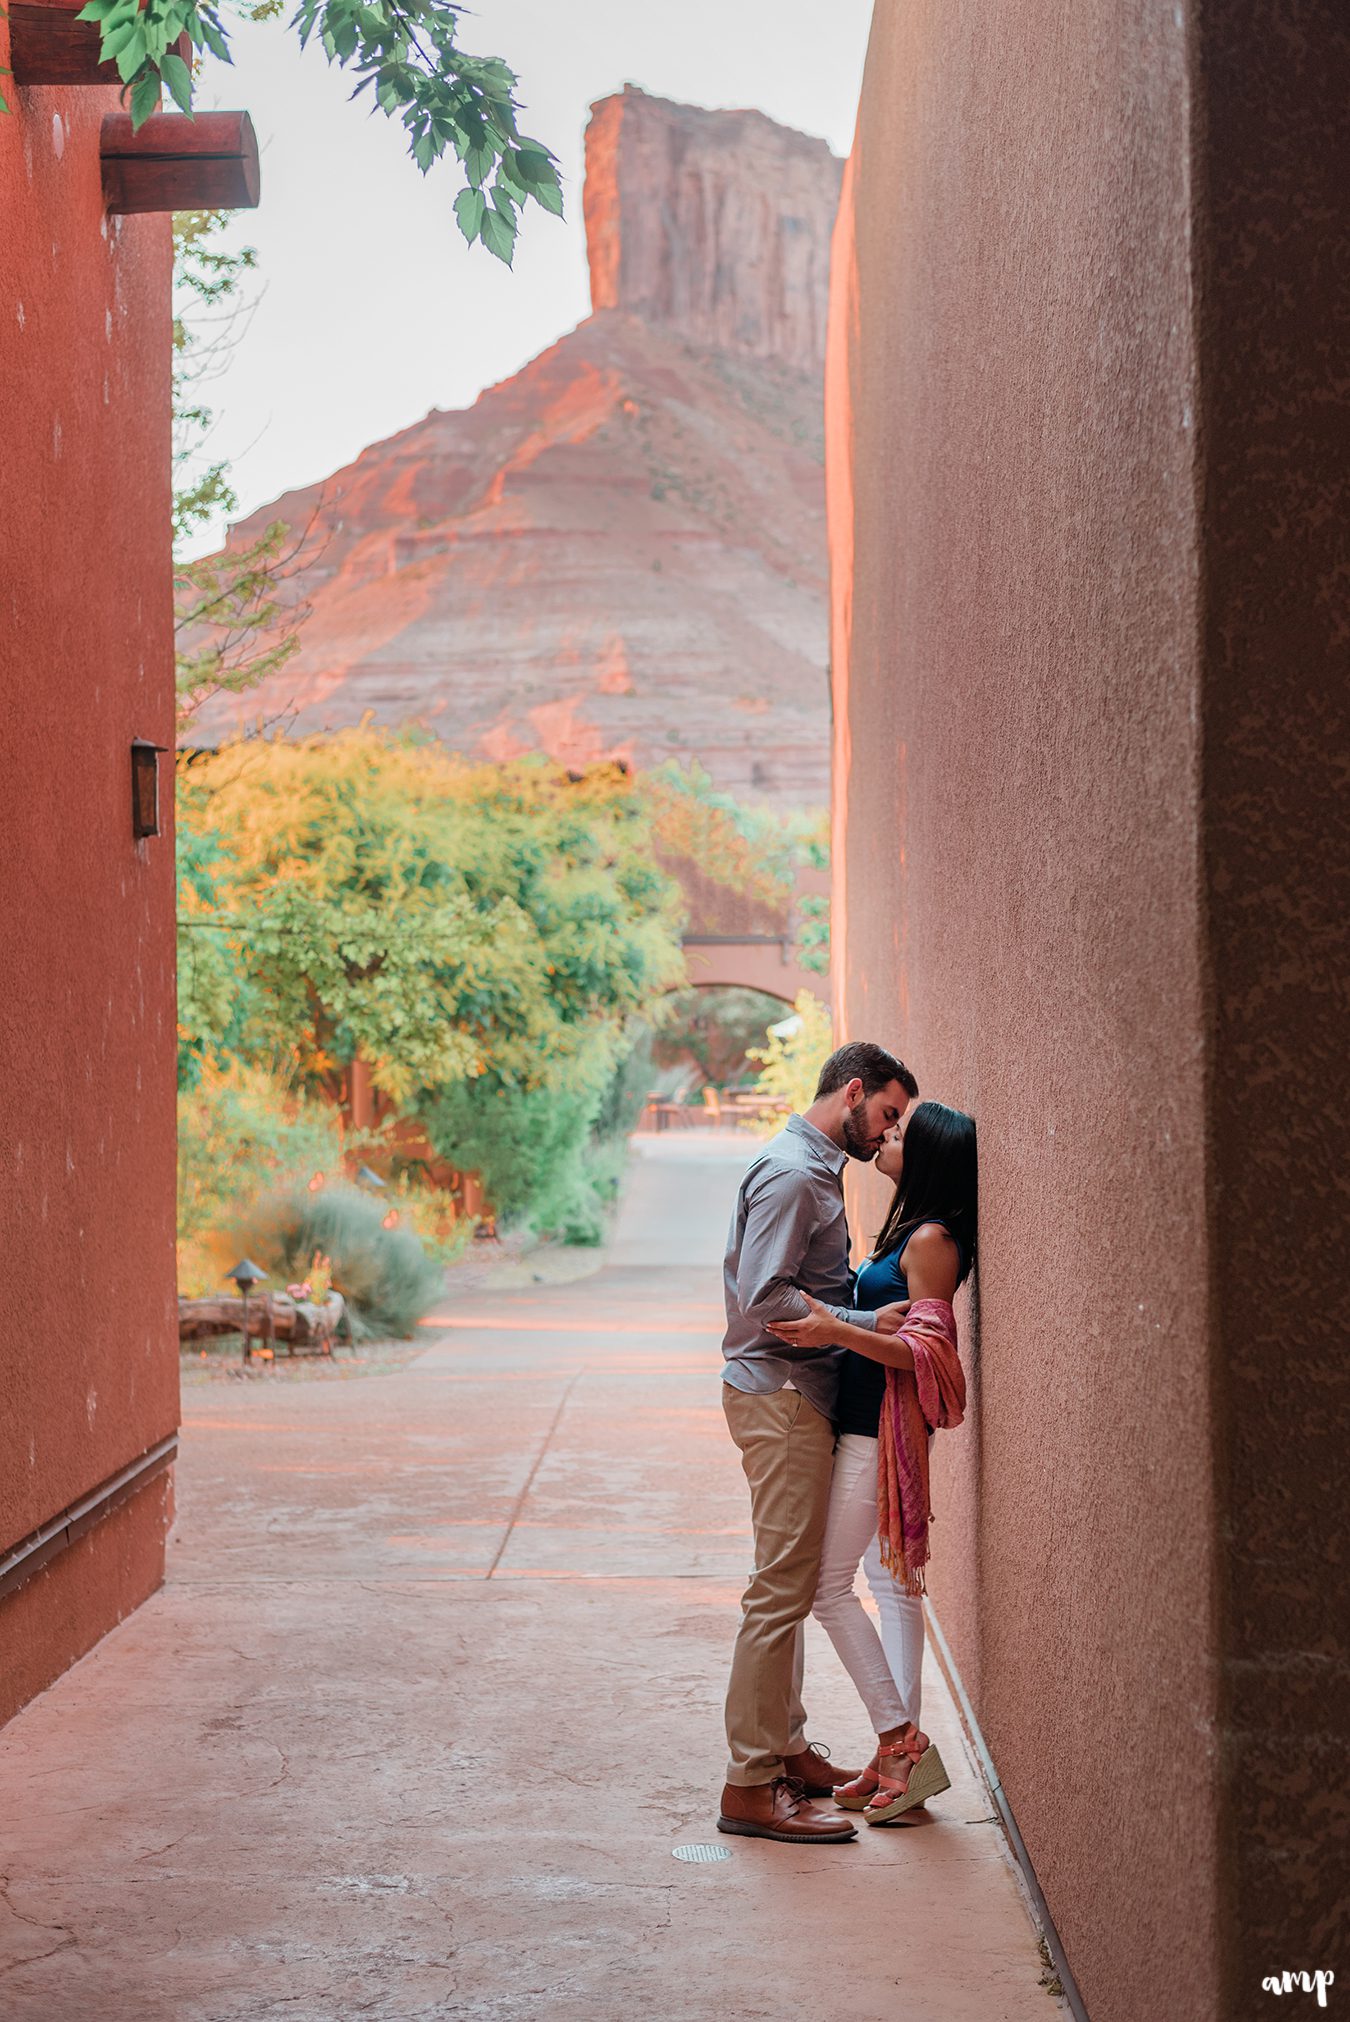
(932, 1247)
(930, 1239)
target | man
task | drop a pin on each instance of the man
(789, 1236)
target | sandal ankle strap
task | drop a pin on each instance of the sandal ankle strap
(914, 1748)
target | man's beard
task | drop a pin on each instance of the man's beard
(855, 1144)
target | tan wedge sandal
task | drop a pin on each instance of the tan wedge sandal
(925, 1779)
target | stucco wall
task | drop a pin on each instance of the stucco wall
(1084, 574)
(90, 1373)
(1012, 391)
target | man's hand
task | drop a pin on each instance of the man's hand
(890, 1318)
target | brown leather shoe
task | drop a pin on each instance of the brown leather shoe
(816, 1773)
(779, 1810)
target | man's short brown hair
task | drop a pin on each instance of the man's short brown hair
(861, 1061)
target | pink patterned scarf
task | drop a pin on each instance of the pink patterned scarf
(932, 1393)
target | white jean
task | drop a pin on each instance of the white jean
(887, 1669)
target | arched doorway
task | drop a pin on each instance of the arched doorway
(701, 1071)
(766, 963)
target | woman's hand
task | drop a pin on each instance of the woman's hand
(817, 1330)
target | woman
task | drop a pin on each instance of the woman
(924, 1252)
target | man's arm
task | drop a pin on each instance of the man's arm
(780, 1219)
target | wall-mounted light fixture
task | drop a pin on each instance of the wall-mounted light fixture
(145, 787)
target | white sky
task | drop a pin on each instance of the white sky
(368, 307)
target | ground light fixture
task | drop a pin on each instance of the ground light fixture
(145, 787)
(246, 1275)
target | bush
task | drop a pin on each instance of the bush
(521, 1142)
(546, 1158)
(241, 1134)
(385, 1275)
(435, 1217)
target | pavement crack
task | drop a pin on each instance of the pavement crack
(522, 1498)
(65, 1937)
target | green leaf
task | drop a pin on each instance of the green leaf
(531, 165)
(549, 197)
(469, 208)
(118, 23)
(144, 98)
(214, 39)
(498, 233)
(118, 36)
(478, 165)
(131, 59)
(179, 80)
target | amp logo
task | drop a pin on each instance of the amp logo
(1300, 1983)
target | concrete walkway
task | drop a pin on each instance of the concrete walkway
(435, 1687)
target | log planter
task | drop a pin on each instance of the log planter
(174, 163)
(304, 1326)
(47, 45)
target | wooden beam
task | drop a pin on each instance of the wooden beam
(49, 46)
(174, 163)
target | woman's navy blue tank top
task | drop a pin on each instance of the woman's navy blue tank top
(862, 1382)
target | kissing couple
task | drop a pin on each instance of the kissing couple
(834, 1385)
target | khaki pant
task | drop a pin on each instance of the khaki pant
(786, 1451)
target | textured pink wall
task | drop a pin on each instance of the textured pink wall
(1087, 560)
(1011, 410)
(1273, 335)
(89, 1354)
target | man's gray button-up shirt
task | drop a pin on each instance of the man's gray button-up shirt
(788, 1236)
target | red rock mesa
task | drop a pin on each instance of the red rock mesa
(619, 552)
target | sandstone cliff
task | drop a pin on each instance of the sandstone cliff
(621, 550)
(715, 225)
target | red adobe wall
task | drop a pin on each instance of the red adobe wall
(87, 1034)
(1089, 837)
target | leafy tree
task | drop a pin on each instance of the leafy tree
(217, 1001)
(405, 52)
(242, 1133)
(751, 849)
(813, 934)
(446, 921)
(743, 850)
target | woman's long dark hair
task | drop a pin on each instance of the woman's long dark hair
(937, 1183)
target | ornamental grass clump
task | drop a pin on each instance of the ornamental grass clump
(385, 1275)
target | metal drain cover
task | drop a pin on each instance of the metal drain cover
(701, 1853)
